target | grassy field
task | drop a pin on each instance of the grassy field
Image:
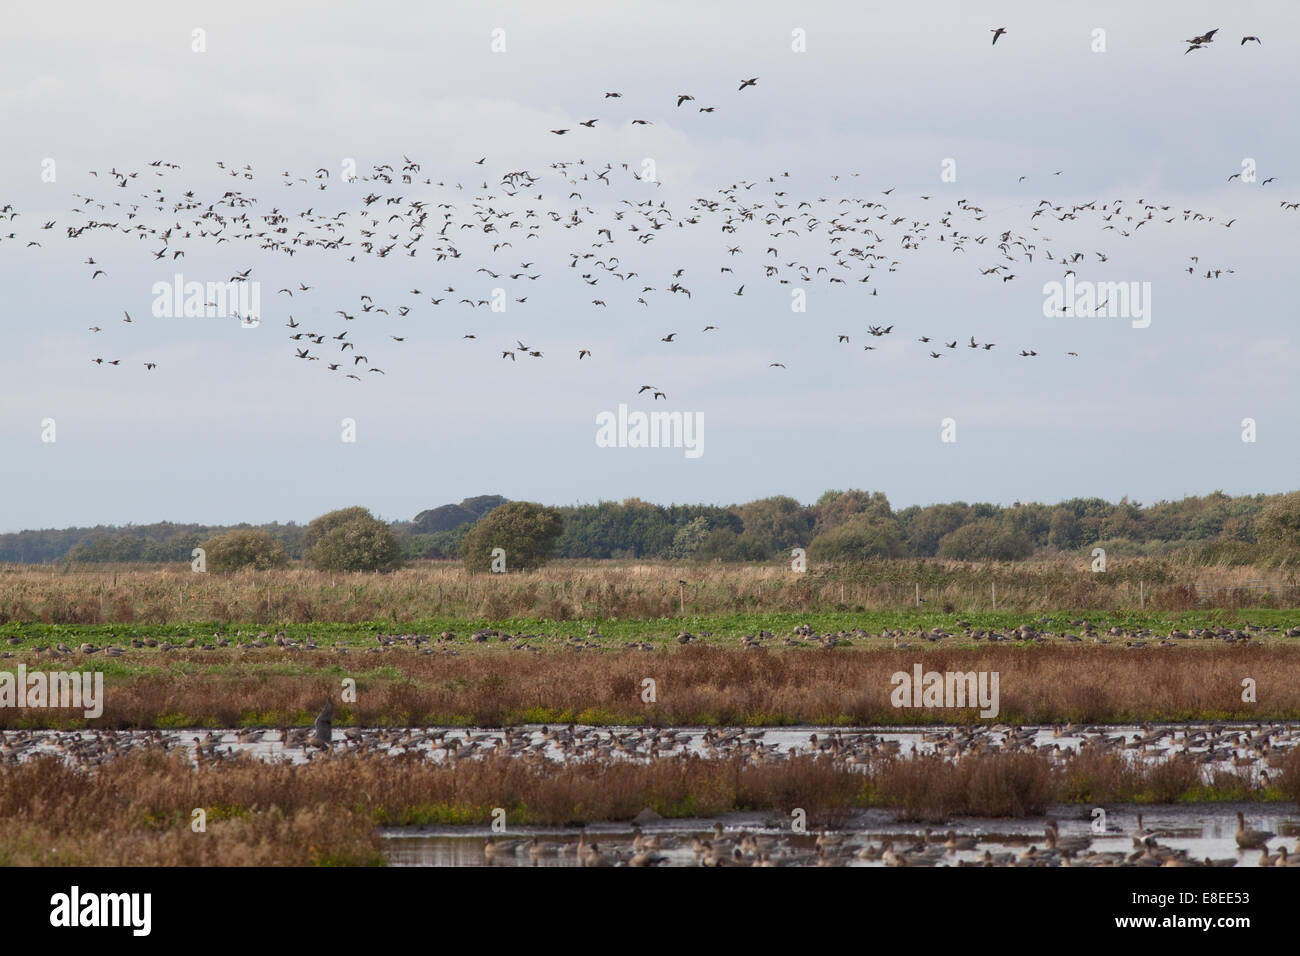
(724, 629)
(403, 686)
(575, 642)
(571, 591)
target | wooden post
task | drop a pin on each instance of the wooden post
(918, 593)
(1142, 594)
(681, 594)
(995, 595)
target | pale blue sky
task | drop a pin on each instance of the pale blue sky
(231, 427)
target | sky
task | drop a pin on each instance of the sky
(906, 112)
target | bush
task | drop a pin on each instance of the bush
(329, 521)
(724, 544)
(244, 548)
(859, 538)
(1278, 525)
(525, 530)
(985, 540)
(352, 539)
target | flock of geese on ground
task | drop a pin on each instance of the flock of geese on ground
(803, 635)
(477, 248)
(1257, 750)
(717, 848)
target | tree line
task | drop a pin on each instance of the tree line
(839, 526)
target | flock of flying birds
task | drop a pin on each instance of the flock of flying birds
(770, 235)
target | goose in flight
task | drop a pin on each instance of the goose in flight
(997, 33)
(753, 81)
(669, 337)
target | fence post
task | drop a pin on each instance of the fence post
(1142, 595)
(918, 594)
(995, 595)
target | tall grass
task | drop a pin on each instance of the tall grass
(77, 594)
(136, 809)
(694, 686)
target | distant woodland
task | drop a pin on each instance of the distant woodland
(839, 526)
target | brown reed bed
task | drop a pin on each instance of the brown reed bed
(694, 685)
(136, 809)
(574, 590)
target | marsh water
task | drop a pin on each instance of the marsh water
(1254, 751)
(1204, 831)
(1228, 748)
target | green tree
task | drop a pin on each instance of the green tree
(443, 518)
(985, 540)
(776, 524)
(1278, 525)
(244, 548)
(927, 526)
(1065, 533)
(327, 522)
(724, 544)
(689, 537)
(834, 508)
(525, 530)
(861, 537)
(480, 505)
(352, 539)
